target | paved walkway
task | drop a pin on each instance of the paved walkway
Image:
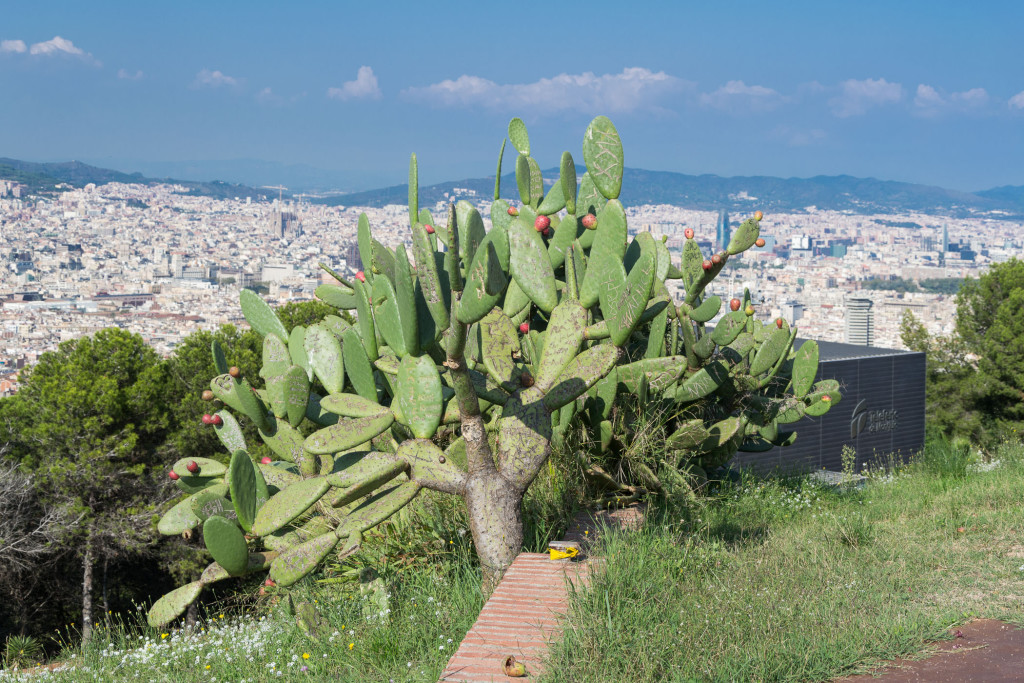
(524, 613)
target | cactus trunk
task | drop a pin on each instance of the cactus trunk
(496, 521)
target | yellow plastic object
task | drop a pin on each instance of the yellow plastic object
(568, 553)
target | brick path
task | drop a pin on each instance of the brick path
(524, 613)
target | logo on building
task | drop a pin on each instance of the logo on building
(864, 420)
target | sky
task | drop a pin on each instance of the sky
(926, 92)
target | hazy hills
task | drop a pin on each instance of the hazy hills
(42, 177)
(712, 192)
(703, 192)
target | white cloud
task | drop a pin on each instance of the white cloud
(856, 97)
(214, 79)
(13, 46)
(58, 46)
(927, 96)
(126, 75)
(738, 96)
(930, 102)
(1017, 101)
(634, 88)
(363, 88)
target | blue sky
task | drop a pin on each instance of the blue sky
(929, 92)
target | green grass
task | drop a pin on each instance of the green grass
(783, 580)
(407, 636)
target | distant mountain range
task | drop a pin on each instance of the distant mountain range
(704, 192)
(712, 192)
(42, 177)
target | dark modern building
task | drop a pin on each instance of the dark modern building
(881, 412)
(722, 231)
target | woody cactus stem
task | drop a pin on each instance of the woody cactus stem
(468, 338)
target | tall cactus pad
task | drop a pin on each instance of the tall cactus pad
(419, 394)
(293, 564)
(244, 490)
(805, 368)
(602, 152)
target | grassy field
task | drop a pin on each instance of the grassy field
(760, 580)
(789, 581)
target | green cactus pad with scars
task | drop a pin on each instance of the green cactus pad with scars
(707, 310)
(805, 368)
(367, 329)
(517, 134)
(226, 544)
(406, 301)
(357, 365)
(692, 265)
(515, 300)
(628, 303)
(485, 283)
(297, 562)
(656, 335)
(289, 504)
(260, 315)
(316, 414)
(210, 503)
(729, 327)
(370, 473)
(688, 435)
(770, 352)
(178, 519)
(338, 296)
(351, 405)
(347, 433)
(664, 262)
(567, 179)
(335, 324)
(297, 350)
(377, 508)
(296, 393)
(243, 475)
(277, 476)
(229, 432)
(536, 184)
(744, 237)
(523, 178)
(703, 382)
(219, 361)
(580, 374)
(429, 278)
(173, 605)
(563, 338)
(602, 153)
(530, 265)
(207, 467)
(659, 372)
(388, 363)
(414, 190)
(325, 357)
(499, 342)
(419, 393)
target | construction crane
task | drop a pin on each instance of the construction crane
(280, 191)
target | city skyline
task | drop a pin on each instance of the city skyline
(925, 93)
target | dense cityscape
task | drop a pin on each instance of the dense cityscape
(156, 261)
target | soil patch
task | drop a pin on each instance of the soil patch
(982, 651)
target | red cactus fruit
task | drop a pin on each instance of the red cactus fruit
(524, 328)
(192, 466)
(735, 304)
(541, 223)
(689, 233)
(590, 221)
(173, 475)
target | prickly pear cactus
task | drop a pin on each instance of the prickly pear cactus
(474, 351)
